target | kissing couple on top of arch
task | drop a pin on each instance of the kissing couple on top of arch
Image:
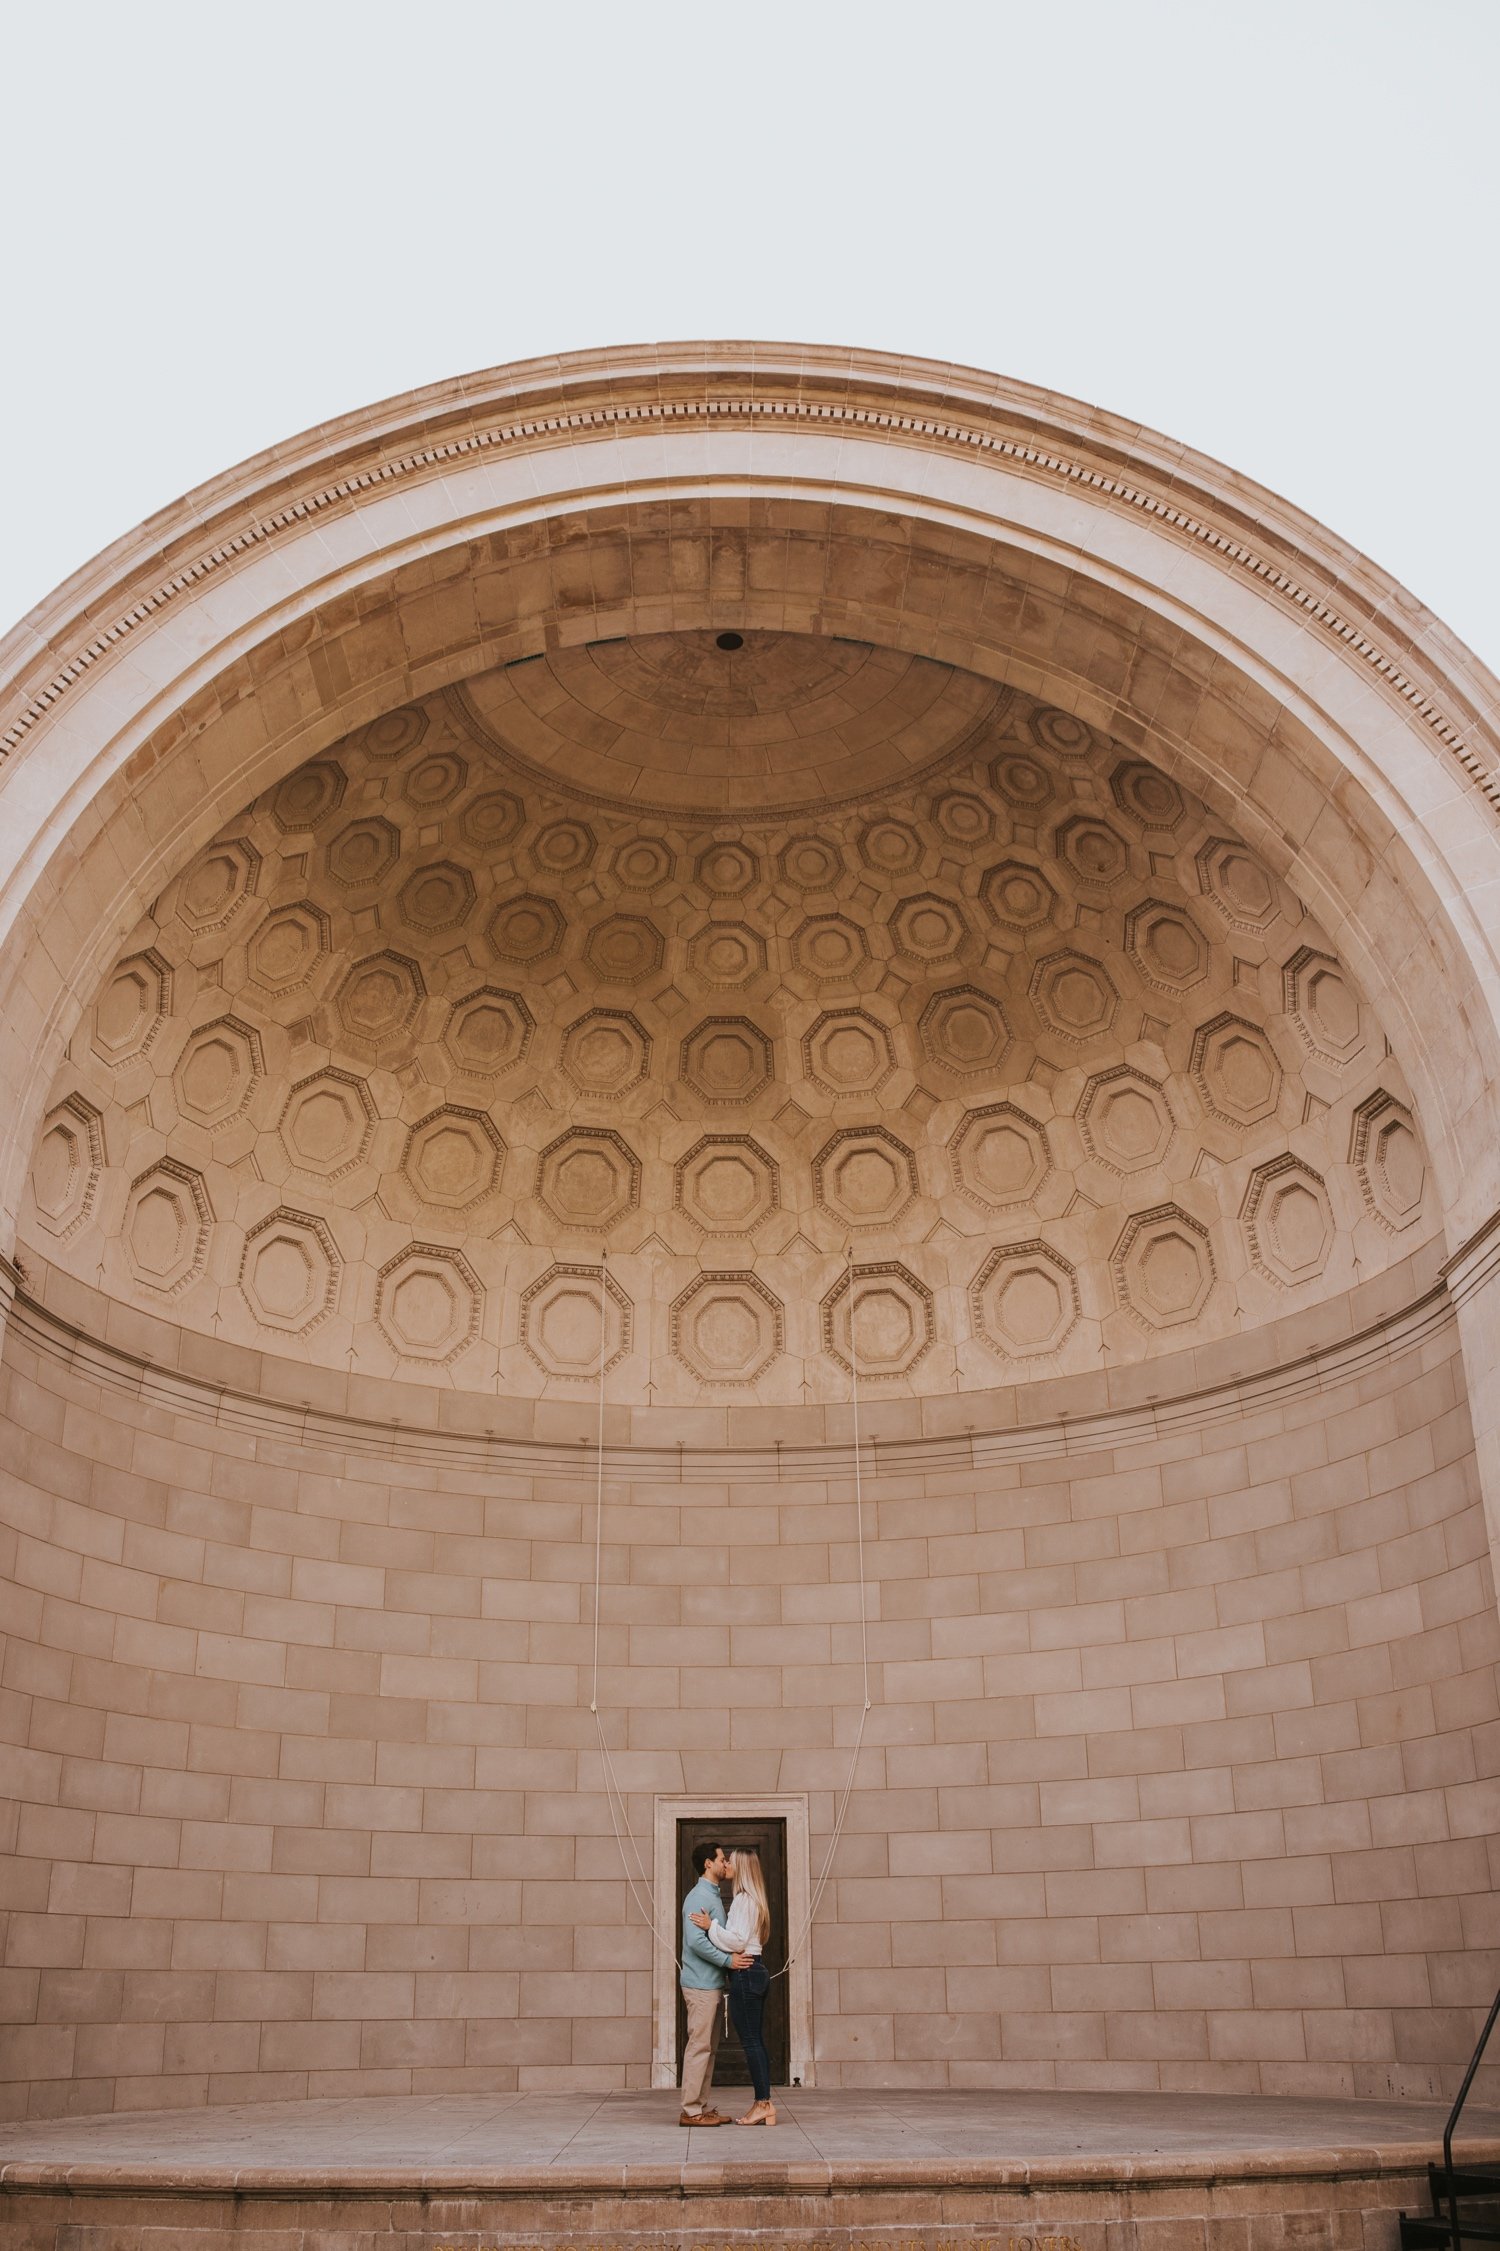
(718, 1955)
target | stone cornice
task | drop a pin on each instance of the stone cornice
(607, 395)
(280, 1422)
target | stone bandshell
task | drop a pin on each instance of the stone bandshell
(1119, 600)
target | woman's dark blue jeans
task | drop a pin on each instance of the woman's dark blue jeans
(747, 2007)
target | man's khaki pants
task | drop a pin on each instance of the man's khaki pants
(705, 2014)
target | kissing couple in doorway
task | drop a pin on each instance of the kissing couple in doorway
(718, 1957)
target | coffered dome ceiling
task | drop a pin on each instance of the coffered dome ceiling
(779, 723)
(738, 961)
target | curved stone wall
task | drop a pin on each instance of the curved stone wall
(1178, 1773)
(757, 813)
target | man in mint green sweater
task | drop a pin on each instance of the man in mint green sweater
(704, 1980)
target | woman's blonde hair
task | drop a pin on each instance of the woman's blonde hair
(748, 1878)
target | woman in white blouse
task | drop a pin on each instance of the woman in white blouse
(745, 1934)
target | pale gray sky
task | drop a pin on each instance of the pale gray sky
(1268, 229)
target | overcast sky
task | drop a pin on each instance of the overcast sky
(1267, 227)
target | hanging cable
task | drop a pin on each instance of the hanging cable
(614, 1797)
(841, 1804)
(619, 1813)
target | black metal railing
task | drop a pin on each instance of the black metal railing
(1451, 2184)
(1451, 2178)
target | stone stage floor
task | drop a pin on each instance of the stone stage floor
(845, 2171)
(492, 2138)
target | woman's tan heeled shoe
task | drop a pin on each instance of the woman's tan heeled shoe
(761, 2114)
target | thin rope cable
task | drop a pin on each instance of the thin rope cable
(612, 1791)
(599, 1473)
(859, 1487)
(619, 1811)
(841, 1807)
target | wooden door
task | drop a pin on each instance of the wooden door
(768, 1838)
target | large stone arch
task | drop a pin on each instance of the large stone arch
(1151, 590)
(1279, 676)
(1167, 599)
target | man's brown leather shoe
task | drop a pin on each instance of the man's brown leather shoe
(703, 2118)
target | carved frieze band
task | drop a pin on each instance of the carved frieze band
(606, 419)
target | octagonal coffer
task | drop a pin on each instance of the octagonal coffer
(624, 949)
(1240, 887)
(166, 1227)
(829, 946)
(727, 1059)
(573, 1318)
(378, 998)
(1166, 946)
(929, 930)
(1074, 996)
(864, 1177)
(1386, 1154)
(640, 863)
(307, 797)
(489, 1031)
(1023, 1301)
(453, 1158)
(1163, 1267)
(726, 1184)
(327, 1124)
(66, 1168)
(727, 1328)
(1125, 1120)
(564, 847)
(289, 946)
(1235, 1070)
(1287, 1221)
(364, 852)
(727, 870)
(392, 735)
(878, 1321)
(810, 863)
(889, 846)
(1022, 781)
(211, 891)
(606, 1051)
(1147, 795)
(847, 1051)
(218, 1072)
(492, 820)
(133, 1006)
(726, 953)
(964, 1029)
(526, 928)
(1017, 896)
(1093, 850)
(428, 1303)
(289, 1272)
(435, 780)
(589, 1178)
(1000, 1156)
(437, 896)
(1324, 1006)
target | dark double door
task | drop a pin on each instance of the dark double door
(768, 1838)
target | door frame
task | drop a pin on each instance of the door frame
(667, 1907)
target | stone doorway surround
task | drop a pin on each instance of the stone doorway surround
(668, 1811)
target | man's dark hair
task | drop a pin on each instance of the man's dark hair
(702, 1855)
